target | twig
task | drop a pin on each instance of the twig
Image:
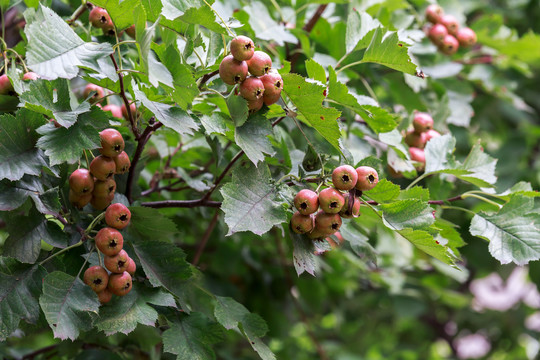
(32, 355)
(182, 203)
(204, 239)
(307, 28)
(223, 173)
(207, 77)
(134, 128)
(77, 14)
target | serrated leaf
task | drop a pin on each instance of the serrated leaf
(238, 109)
(308, 98)
(14, 194)
(150, 223)
(385, 191)
(216, 123)
(20, 286)
(68, 304)
(121, 12)
(252, 137)
(123, 314)
(410, 213)
(265, 27)
(315, 71)
(18, 137)
(388, 50)
(425, 242)
(513, 232)
(192, 12)
(358, 241)
(360, 28)
(60, 55)
(304, 257)
(67, 144)
(250, 201)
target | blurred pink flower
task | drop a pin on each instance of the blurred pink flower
(472, 346)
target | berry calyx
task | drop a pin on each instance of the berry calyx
(104, 296)
(30, 76)
(99, 17)
(331, 201)
(115, 110)
(120, 284)
(109, 241)
(466, 37)
(301, 224)
(232, 71)
(437, 33)
(79, 200)
(122, 162)
(259, 64)
(419, 156)
(367, 178)
(344, 177)
(450, 45)
(433, 13)
(450, 22)
(104, 188)
(273, 84)
(327, 224)
(96, 277)
(348, 212)
(242, 48)
(81, 182)
(306, 201)
(117, 216)
(102, 167)
(98, 94)
(422, 122)
(252, 88)
(112, 142)
(117, 263)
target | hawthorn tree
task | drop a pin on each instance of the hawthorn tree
(203, 122)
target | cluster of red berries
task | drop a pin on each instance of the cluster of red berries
(6, 88)
(109, 242)
(333, 204)
(263, 86)
(97, 186)
(446, 33)
(100, 19)
(419, 136)
(96, 94)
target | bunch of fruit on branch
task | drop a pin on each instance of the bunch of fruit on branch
(446, 33)
(259, 83)
(319, 213)
(417, 138)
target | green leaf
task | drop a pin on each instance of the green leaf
(238, 109)
(360, 29)
(191, 337)
(250, 201)
(304, 257)
(18, 137)
(14, 194)
(121, 12)
(123, 314)
(425, 242)
(60, 55)
(358, 241)
(308, 98)
(513, 232)
(216, 123)
(390, 52)
(252, 137)
(68, 304)
(67, 144)
(385, 191)
(192, 12)
(265, 27)
(410, 213)
(20, 286)
(150, 223)
(315, 71)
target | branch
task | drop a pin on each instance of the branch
(207, 77)
(204, 239)
(182, 203)
(307, 28)
(126, 101)
(431, 202)
(77, 14)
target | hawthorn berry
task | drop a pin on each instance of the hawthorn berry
(344, 177)
(30, 76)
(422, 122)
(419, 156)
(108, 29)
(115, 110)
(132, 108)
(99, 93)
(117, 216)
(434, 13)
(5, 85)
(120, 284)
(112, 142)
(242, 48)
(96, 277)
(367, 178)
(415, 139)
(104, 296)
(466, 37)
(316, 234)
(273, 84)
(99, 17)
(130, 31)
(301, 224)
(259, 64)
(331, 201)
(437, 33)
(79, 200)
(347, 211)
(101, 202)
(122, 162)
(102, 167)
(430, 134)
(109, 241)
(255, 105)
(326, 223)
(232, 71)
(252, 88)
(104, 188)
(81, 182)
(306, 201)
(117, 263)
(132, 267)
(449, 45)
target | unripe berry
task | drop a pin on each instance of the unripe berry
(331, 201)
(255, 105)
(115, 110)
(415, 139)
(81, 182)
(301, 224)
(96, 277)
(99, 17)
(273, 84)
(437, 33)
(347, 212)
(5, 85)
(327, 223)
(120, 284)
(132, 267)
(422, 122)
(117, 263)
(101, 202)
(306, 201)
(466, 37)
(102, 167)
(242, 48)
(344, 177)
(112, 142)
(30, 76)
(451, 24)
(367, 178)
(117, 216)
(109, 241)
(79, 200)
(419, 156)
(430, 134)
(122, 162)
(434, 13)
(449, 45)
(104, 296)
(259, 64)
(232, 71)
(99, 93)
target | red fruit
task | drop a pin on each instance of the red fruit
(415, 139)
(133, 109)
(347, 212)
(434, 13)
(102, 167)
(132, 267)
(131, 31)
(108, 29)
(252, 88)
(306, 201)
(109, 241)
(117, 216)
(327, 224)
(316, 234)
(81, 182)
(101, 202)
(120, 284)
(449, 45)
(122, 162)
(96, 277)
(466, 37)
(115, 110)
(451, 23)
(118, 263)
(30, 76)
(104, 296)
(301, 224)
(255, 105)
(112, 142)
(242, 48)
(430, 134)
(259, 64)
(104, 188)
(232, 71)
(437, 33)
(344, 177)
(79, 200)
(331, 201)
(367, 178)
(422, 122)
(55, 123)
(99, 93)
(419, 156)
(99, 17)
(5, 85)
(273, 84)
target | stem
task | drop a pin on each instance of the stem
(349, 65)
(94, 222)
(307, 28)
(207, 77)
(62, 251)
(85, 261)
(458, 208)
(467, 195)
(77, 14)
(87, 162)
(123, 43)
(223, 173)
(417, 180)
(124, 97)
(204, 239)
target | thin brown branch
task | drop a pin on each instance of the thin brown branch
(223, 173)
(182, 203)
(77, 14)
(204, 239)
(131, 117)
(307, 28)
(207, 77)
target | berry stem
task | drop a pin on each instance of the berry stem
(131, 118)
(62, 251)
(207, 77)
(94, 222)
(77, 14)
(467, 195)
(205, 237)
